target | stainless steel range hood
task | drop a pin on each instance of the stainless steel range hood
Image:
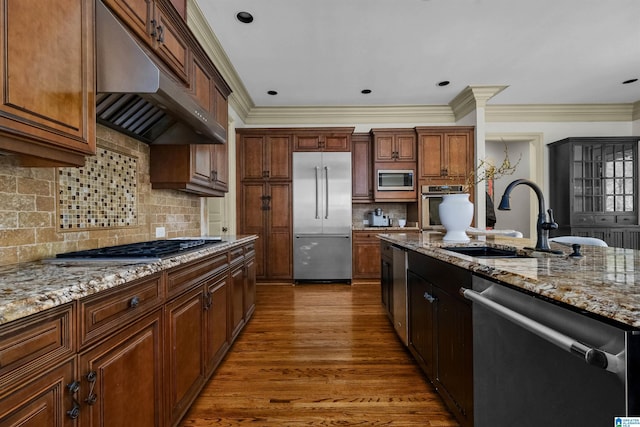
(139, 99)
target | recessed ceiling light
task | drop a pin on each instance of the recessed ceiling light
(626, 82)
(444, 83)
(272, 92)
(365, 91)
(244, 17)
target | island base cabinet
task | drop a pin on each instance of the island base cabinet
(440, 330)
(121, 378)
(44, 402)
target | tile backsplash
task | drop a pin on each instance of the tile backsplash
(102, 194)
(34, 225)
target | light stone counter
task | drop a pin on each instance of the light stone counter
(605, 282)
(32, 287)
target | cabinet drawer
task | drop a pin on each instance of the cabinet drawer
(31, 345)
(236, 255)
(184, 277)
(109, 310)
(626, 220)
(604, 220)
(582, 220)
(249, 249)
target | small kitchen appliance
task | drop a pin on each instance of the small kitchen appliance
(378, 219)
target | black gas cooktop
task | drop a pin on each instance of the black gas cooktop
(143, 251)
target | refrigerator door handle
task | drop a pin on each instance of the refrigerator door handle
(326, 192)
(317, 193)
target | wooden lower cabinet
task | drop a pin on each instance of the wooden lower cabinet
(45, 401)
(121, 379)
(142, 351)
(184, 351)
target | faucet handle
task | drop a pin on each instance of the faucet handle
(552, 224)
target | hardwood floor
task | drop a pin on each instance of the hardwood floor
(318, 355)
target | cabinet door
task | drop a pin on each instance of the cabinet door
(421, 326)
(216, 321)
(458, 149)
(45, 401)
(236, 280)
(48, 80)
(308, 143)
(249, 284)
(136, 14)
(337, 143)
(431, 156)
(366, 256)
(384, 148)
(252, 154)
(251, 220)
(454, 357)
(279, 244)
(184, 351)
(170, 44)
(279, 164)
(220, 167)
(405, 148)
(126, 374)
(361, 166)
(202, 160)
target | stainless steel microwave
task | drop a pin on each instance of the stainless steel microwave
(395, 179)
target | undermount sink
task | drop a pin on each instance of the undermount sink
(486, 252)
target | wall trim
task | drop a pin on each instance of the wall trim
(560, 113)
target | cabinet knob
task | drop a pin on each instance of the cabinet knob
(74, 412)
(135, 302)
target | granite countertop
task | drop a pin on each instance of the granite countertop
(605, 282)
(32, 287)
(383, 229)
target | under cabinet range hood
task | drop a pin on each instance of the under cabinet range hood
(136, 97)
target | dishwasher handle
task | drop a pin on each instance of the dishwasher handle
(592, 356)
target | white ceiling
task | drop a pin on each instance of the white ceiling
(324, 52)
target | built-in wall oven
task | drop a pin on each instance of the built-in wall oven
(431, 198)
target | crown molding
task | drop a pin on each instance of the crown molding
(473, 97)
(559, 113)
(349, 115)
(239, 99)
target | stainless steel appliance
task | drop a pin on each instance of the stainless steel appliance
(431, 199)
(400, 308)
(150, 251)
(539, 364)
(395, 179)
(322, 216)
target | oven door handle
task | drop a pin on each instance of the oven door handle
(590, 355)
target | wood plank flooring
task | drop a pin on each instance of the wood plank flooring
(318, 355)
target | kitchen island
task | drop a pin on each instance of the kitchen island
(499, 336)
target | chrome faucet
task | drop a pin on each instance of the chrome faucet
(542, 226)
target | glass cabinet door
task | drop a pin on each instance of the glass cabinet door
(604, 178)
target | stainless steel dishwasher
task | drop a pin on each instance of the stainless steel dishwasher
(400, 311)
(537, 363)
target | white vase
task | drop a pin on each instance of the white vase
(456, 214)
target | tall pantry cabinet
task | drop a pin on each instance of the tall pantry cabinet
(264, 198)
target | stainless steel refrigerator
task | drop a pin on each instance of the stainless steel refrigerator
(322, 216)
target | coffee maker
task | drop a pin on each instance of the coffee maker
(378, 219)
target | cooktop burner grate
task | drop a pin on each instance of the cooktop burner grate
(143, 250)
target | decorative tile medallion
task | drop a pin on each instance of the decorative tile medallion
(102, 194)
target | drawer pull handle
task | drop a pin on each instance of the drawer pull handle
(91, 377)
(135, 302)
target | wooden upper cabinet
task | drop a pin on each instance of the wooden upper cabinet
(159, 28)
(445, 153)
(361, 168)
(181, 8)
(336, 139)
(197, 168)
(394, 145)
(47, 115)
(264, 155)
